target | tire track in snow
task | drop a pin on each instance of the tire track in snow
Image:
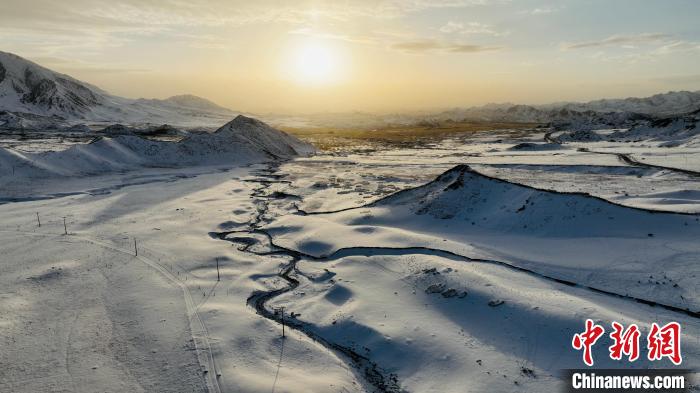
(626, 158)
(203, 349)
(629, 160)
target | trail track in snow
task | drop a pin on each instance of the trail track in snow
(198, 329)
(626, 158)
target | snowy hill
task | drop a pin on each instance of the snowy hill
(569, 236)
(28, 87)
(599, 114)
(559, 117)
(242, 140)
(193, 102)
(606, 110)
(673, 102)
(23, 121)
(673, 131)
(29, 90)
(248, 131)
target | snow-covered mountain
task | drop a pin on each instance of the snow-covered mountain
(607, 110)
(559, 118)
(468, 213)
(34, 96)
(28, 87)
(672, 131)
(673, 102)
(193, 102)
(675, 130)
(242, 140)
(605, 113)
(532, 114)
(28, 90)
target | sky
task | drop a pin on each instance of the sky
(364, 55)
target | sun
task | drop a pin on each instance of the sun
(315, 63)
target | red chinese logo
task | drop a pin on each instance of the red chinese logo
(662, 342)
(625, 343)
(587, 339)
(665, 342)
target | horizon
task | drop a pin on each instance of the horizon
(418, 111)
(389, 57)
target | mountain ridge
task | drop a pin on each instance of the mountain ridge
(29, 88)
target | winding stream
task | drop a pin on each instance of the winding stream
(380, 380)
(374, 375)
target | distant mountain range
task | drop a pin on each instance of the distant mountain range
(32, 96)
(27, 89)
(606, 113)
(612, 111)
(671, 103)
(531, 114)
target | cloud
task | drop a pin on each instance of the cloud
(677, 46)
(467, 48)
(646, 54)
(470, 28)
(637, 48)
(452, 27)
(399, 42)
(544, 10)
(111, 13)
(428, 45)
(49, 27)
(367, 39)
(619, 40)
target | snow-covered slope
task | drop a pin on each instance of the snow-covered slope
(29, 90)
(24, 121)
(569, 236)
(672, 102)
(456, 285)
(242, 140)
(673, 131)
(607, 113)
(193, 102)
(29, 87)
(611, 112)
(559, 117)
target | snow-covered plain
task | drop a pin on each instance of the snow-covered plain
(408, 277)
(454, 285)
(82, 313)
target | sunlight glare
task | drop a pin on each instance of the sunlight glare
(315, 64)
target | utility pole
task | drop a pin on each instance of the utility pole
(136, 250)
(218, 276)
(65, 228)
(283, 322)
(38, 220)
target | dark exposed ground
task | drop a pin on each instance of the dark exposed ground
(333, 139)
